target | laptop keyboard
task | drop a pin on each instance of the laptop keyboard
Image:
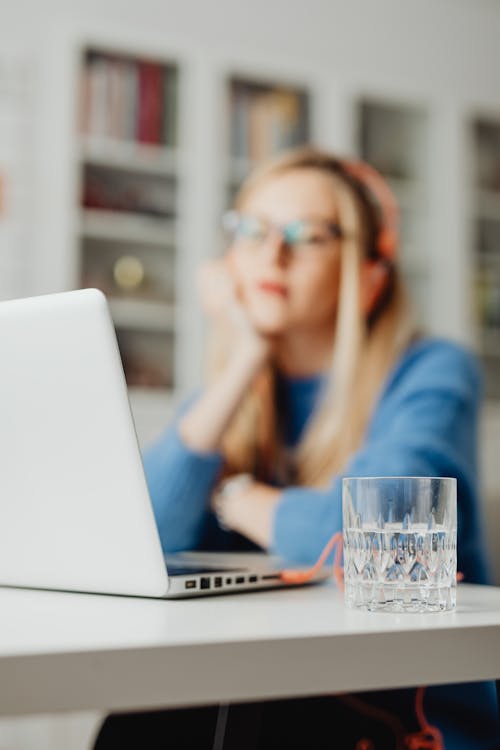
(176, 569)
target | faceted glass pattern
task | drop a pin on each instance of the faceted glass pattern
(400, 543)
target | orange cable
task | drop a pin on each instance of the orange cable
(364, 744)
(377, 713)
(291, 575)
(429, 737)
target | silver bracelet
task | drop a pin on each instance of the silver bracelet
(225, 490)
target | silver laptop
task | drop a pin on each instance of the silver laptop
(75, 512)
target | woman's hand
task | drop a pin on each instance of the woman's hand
(246, 506)
(203, 426)
(221, 301)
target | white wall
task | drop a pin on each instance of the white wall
(450, 46)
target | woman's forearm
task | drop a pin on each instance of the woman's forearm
(180, 482)
(203, 426)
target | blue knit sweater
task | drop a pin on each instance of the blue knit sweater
(425, 424)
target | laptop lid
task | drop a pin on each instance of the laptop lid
(75, 512)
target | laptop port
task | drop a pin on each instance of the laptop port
(252, 579)
(218, 582)
(229, 581)
(191, 584)
(205, 583)
(240, 579)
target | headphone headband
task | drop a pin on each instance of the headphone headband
(386, 242)
(376, 271)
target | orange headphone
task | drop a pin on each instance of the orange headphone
(378, 267)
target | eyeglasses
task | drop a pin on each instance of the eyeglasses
(300, 236)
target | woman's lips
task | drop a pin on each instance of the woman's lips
(271, 287)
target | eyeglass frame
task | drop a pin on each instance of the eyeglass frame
(229, 217)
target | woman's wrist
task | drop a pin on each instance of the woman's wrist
(253, 350)
(203, 426)
(244, 505)
(226, 499)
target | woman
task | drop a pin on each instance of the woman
(316, 370)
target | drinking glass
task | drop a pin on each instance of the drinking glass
(400, 543)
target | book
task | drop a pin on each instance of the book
(131, 97)
(117, 100)
(285, 116)
(149, 124)
(170, 107)
(98, 96)
(238, 113)
(84, 101)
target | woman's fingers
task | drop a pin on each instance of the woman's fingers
(219, 295)
(221, 301)
(216, 287)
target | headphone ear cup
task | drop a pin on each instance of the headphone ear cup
(387, 243)
(374, 277)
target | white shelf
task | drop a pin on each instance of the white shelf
(151, 401)
(490, 342)
(152, 409)
(415, 269)
(142, 315)
(129, 155)
(125, 227)
(238, 169)
(410, 194)
(489, 266)
(488, 204)
(149, 396)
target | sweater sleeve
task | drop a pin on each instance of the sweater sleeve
(180, 483)
(425, 424)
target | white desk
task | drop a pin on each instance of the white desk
(74, 652)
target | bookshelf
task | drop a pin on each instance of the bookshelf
(127, 153)
(485, 132)
(393, 137)
(263, 117)
(134, 208)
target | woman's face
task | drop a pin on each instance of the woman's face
(289, 286)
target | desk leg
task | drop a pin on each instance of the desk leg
(238, 726)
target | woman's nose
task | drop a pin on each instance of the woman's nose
(275, 247)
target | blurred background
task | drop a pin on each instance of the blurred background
(126, 127)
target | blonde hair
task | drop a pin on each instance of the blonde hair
(365, 349)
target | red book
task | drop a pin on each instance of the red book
(143, 102)
(150, 103)
(157, 105)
